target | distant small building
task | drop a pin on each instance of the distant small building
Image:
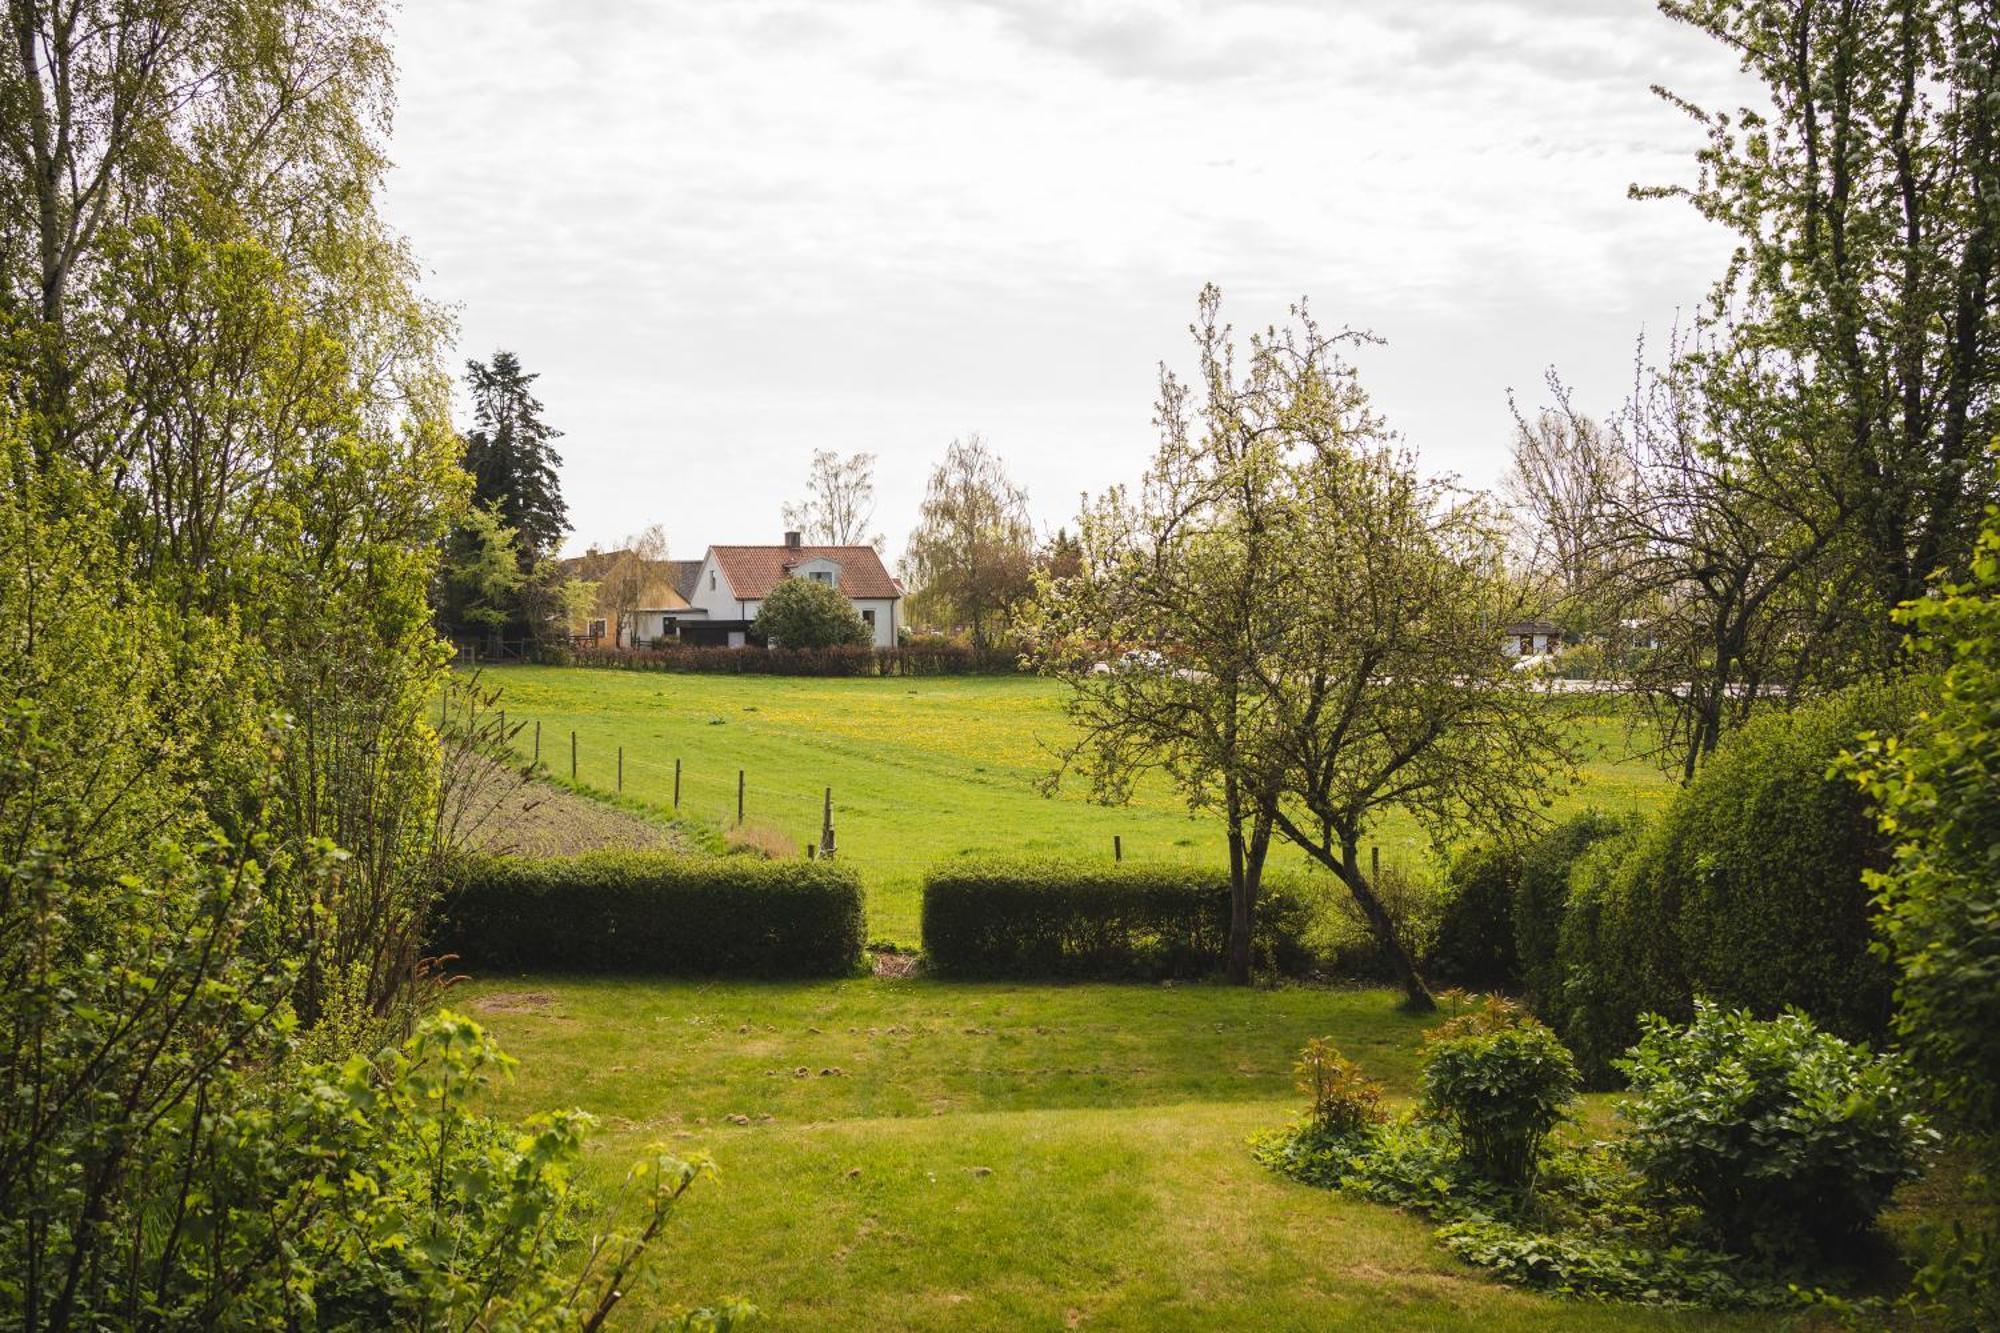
(1531, 638)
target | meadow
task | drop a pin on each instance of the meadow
(917, 1154)
(921, 769)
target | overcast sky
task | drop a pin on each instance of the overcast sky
(726, 234)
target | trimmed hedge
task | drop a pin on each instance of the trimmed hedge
(1502, 909)
(1051, 918)
(1747, 890)
(655, 914)
(1541, 895)
(1474, 946)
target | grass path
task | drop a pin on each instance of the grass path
(997, 1156)
(921, 770)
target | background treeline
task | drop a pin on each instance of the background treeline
(226, 472)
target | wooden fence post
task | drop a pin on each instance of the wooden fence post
(538, 740)
(621, 768)
(1117, 848)
(677, 784)
(826, 827)
(1374, 862)
(739, 796)
(572, 756)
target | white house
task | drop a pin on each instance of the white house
(1531, 638)
(732, 582)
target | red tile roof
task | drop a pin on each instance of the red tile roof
(753, 571)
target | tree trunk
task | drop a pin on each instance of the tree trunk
(1416, 995)
(1246, 878)
(1237, 961)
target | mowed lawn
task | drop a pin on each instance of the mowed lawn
(921, 770)
(951, 1156)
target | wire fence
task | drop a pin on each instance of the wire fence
(798, 806)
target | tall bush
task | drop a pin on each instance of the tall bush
(1749, 889)
(1474, 945)
(1541, 897)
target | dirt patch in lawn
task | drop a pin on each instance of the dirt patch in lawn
(514, 1002)
(505, 814)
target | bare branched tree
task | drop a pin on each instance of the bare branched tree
(840, 501)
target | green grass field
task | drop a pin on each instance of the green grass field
(921, 770)
(998, 1157)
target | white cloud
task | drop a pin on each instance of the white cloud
(729, 234)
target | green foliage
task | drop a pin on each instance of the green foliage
(655, 914)
(1344, 1101)
(1500, 1081)
(1937, 794)
(1615, 954)
(510, 453)
(480, 577)
(1052, 918)
(383, 1201)
(1748, 888)
(803, 615)
(1586, 1223)
(1541, 898)
(1783, 1136)
(1474, 945)
(1584, 1232)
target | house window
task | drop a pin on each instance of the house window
(711, 580)
(1527, 645)
(596, 629)
(868, 618)
(821, 576)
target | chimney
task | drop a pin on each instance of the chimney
(792, 541)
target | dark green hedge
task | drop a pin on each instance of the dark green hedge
(655, 913)
(1746, 890)
(1541, 895)
(1035, 918)
(1474, 945)
(1502, 908)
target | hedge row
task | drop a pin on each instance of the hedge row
(1747, 889)
(1049, 918)
(655, 914)
(915, 659)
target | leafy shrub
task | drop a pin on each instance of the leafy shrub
(656, 914)
(800, 613)
(1936, 792)
(1344, 1101)
(1585, 1230)
(1474, 946)
(1779, 1133)
(1500, 1081)
(1027, 918)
